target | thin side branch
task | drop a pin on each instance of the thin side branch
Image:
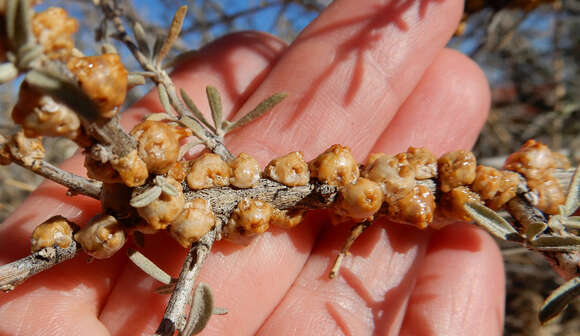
(18, 271)
(355, 232)
(565, 263)
(175, 317)
(212, 141)
(76, 184)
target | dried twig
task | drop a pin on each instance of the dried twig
(18, 271)
(77, 185)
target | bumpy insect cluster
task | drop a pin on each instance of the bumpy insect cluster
(56, 230)
(103, 78)
(537, 163)
(41, 115)
(101, 237)
(151, 175)
(55, 30)
(21, 148)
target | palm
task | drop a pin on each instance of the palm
(373, 77)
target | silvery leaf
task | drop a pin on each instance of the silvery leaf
(164, 98)
(145, 198)
(7, 72)
(534, 228)
(135, 79)
(559, 299)
(148, 266)
(262, 108)
(219, 311)
(215, 104)
(556, 243)
(492, 222)
(174, 30)
(194, 126)
(141, 38)
(572, 222)
(194, 110)
(168, 188)
(201, 310)
(573, 198)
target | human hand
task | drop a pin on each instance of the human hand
(371, 76)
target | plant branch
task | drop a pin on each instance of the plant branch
(175, 317)
(162, 80)
(76, 184)
(18, 271)
(567, 264)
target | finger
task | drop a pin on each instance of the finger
(235, 65)
(359, 61)
(345, 90)
(70, 292)
(356, 302)
(76, 291)
(442, 122)
(232, 271)
(460, 288)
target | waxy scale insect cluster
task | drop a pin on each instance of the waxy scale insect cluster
(386, 185)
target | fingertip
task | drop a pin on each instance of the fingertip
(446, 109)
(460, 290)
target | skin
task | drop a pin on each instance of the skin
(370, 75)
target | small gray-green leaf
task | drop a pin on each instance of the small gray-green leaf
(41, 80)
(185, 148)
(11, 11)
(194, 126)
(18, 18)
(160, 117)
(492, 222)
(134, 79)
(219, 311)
(164, 98)
(534, 228)
(148, 266)
(559, 299)
(262, 108)
(165, 186)
(174, 30)
(572, 222)
(7, 72)
(23, 28)
(145, 198)
(28, 54)
(141, 38)
(108, 48)
(158, 44)
(215, 104)
(556, 243)
(193, 108)
(201, 310)
(573, 198)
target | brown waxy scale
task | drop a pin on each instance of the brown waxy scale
(388, 187)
